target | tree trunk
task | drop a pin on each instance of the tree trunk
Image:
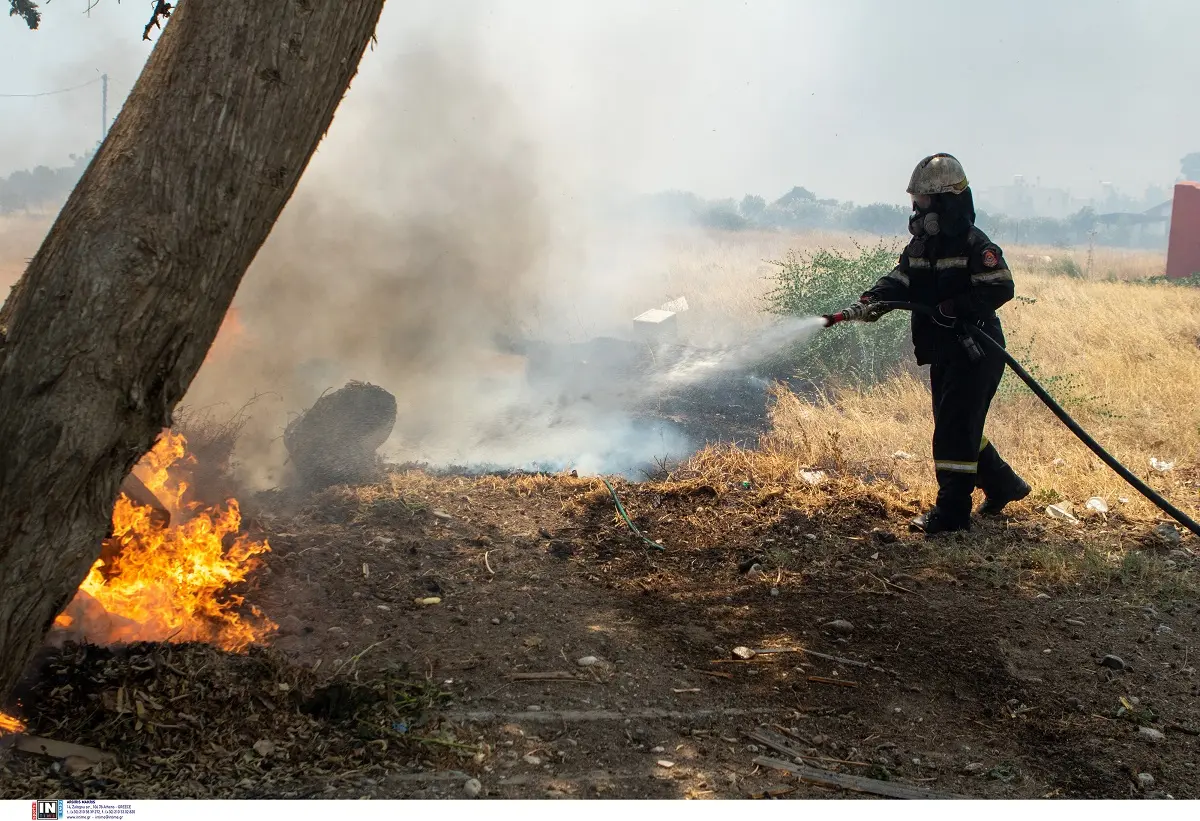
(103, 334)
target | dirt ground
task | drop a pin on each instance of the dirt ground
(968, 665)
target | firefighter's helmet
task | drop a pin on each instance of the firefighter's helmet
(938, 174)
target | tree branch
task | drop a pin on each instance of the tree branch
(161, 10)
(27, 10)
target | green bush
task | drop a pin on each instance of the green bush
(823, 282)
(1065, 267)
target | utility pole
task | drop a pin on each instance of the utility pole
(103, 106)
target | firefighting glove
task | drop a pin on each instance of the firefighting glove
(871, 310)
(868, 310)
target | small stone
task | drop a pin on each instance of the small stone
(666, 765)
(812, 537)
(77, 764)
(743, 653)
(1162, 628)
(752, 748)
(383, 607)
(819, 740)
(774, 591)
(336, 630)
(883, 536)
(264, 747)
(755, 573)
(1075, 704)
(472, 788)
(1168, 533)
(440, 514)
(1150, 735)
(1114, 663)
(839, 626)
(495, 621)
(289, 625)
(658, 749)
(1075, 622)
(1145, 780)
(531, 759)
(587, 661)
(974, 768)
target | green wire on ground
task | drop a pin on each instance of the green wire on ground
(625, 516)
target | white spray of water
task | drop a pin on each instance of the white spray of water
(733, 358)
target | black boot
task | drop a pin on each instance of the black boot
(999, 482)
(936, 521)
(995, 502)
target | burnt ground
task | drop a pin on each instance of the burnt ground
(981, 653)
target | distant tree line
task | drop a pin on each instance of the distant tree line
(800, 210)
(42, 188)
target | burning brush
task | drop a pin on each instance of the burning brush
(165, 572)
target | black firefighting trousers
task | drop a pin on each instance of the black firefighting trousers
(963, 457)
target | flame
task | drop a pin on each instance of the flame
(10, 724)
(169, 584)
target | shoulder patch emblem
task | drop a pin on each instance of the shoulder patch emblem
(916, 248)
(990, 258)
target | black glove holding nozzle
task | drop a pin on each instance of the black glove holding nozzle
(865, 310)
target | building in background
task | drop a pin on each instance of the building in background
(1025, 200)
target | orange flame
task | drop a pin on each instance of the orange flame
(169, 584)
(10, 724)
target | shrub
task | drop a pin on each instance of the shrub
(824, 281)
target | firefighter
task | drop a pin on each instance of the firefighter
(952, 266)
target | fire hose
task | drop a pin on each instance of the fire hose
(971, 336)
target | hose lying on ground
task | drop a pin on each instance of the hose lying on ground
(994, 346)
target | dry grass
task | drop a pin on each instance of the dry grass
(1127, 358)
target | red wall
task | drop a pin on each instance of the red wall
(1183, 249)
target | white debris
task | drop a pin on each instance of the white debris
(903, 456)
(676, 306)
(1059, 463)
(1097, 505)
(1160, 465)
(656, 324)
(813, 477)
(1062, 512)
(587, 661)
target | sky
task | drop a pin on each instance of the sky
(726, 98)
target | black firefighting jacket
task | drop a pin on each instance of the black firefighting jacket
(967, 273)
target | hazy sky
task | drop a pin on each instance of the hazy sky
(725, 97)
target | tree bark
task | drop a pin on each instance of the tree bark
(102, 336)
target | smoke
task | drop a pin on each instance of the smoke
(429, 229)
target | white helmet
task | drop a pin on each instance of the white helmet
(938, 174)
